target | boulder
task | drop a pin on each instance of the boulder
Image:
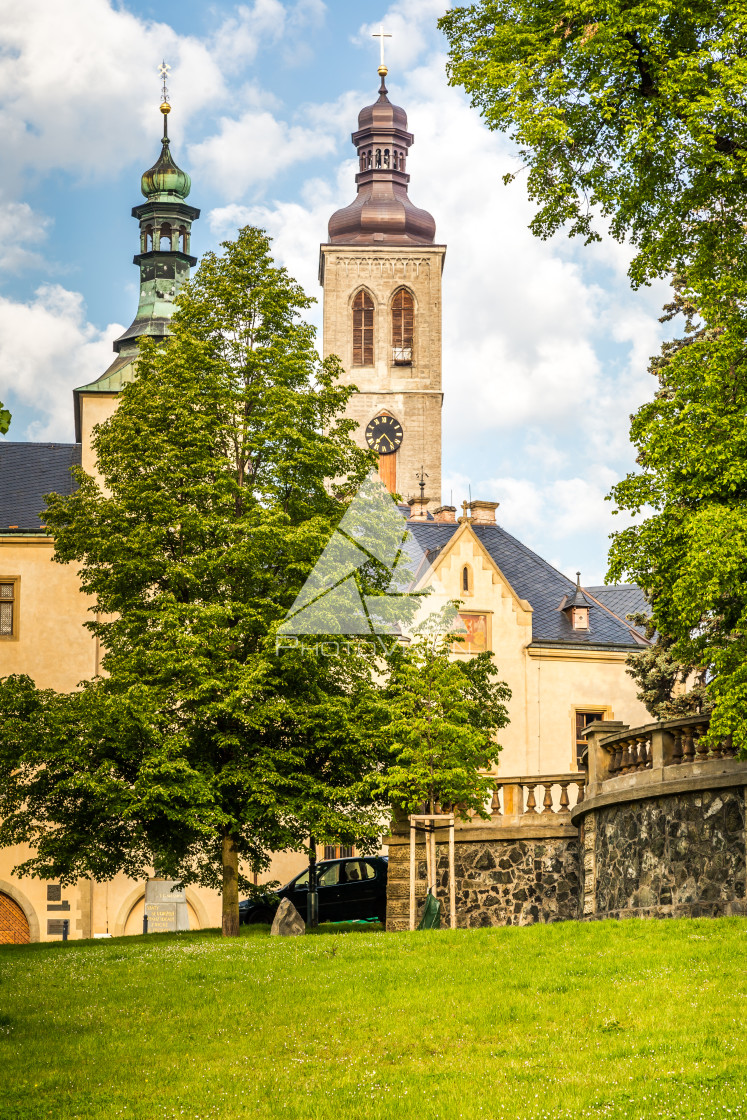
(288, 922)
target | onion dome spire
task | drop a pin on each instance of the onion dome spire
(164, 180)
(382, 212)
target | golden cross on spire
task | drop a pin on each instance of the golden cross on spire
(381, 35)
(163, 70)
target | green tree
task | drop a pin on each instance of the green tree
(689, 549)
(632, 112)
(200, 747)
(666, 686)
(441, 716)
(5, 419)
(635, 114)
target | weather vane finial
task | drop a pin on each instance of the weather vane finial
(381, 35)
(163, 70)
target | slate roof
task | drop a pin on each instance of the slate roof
(28, 471)
(621, 598)
(545, 588)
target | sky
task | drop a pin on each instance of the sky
(546, 346)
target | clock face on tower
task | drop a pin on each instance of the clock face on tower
(384, 434)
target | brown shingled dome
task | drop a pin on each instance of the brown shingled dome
(382, 212)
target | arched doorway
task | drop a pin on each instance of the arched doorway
(14, 926)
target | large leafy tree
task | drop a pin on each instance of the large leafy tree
(632, 112)
(667, 686)
(442, 715)
(689, 549)
(202, 746)
(5, 419)
(634, 116)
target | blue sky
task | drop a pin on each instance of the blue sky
(545, 345)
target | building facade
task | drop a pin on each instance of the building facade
(381, 274)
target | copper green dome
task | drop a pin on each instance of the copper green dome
(165, 178)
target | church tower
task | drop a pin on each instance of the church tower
(164, 262)
(381, 275)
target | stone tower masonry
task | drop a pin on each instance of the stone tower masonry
(381, 275)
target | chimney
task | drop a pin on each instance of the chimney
(418, 508)
(445, 514)
(483, 513)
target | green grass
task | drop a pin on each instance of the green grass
(630, 1019)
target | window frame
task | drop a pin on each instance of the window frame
(601, 711)
(400, 344)
(15, 628)
(363, 349)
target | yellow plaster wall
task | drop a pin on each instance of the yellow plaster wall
(52, 646)
(95, 408)
(547, 685)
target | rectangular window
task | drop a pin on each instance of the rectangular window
(336, 851)
(476, 638)
(363, 330)
(8, 608)
(583, 719)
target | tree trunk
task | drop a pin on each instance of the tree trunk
(230, 854)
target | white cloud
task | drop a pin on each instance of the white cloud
(297, 228)
(48, 348)
(79, 84)
(412, 26)
(250, 151)
(21, 227)
(239, 38)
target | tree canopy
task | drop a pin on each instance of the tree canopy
(442, 716)
(199, 747)
(632, 113)
(5, 419)
(688, 548)
(634, 116)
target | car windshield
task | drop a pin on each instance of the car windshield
(302, 880)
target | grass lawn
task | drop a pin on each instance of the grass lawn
(629, 1019)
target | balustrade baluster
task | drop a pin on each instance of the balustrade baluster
(547, 802)
(626, 761)
(581, 783)
(701, 747)
(495, 804)
(677, 747)
(640, 752)
(688, 747)
(564, 800)
(531, 805)
(728, 748)
(613, 761)
(649, 755)
(619, 752)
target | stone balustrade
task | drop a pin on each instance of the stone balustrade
(632, 756)
(662, 825)
(519, 800)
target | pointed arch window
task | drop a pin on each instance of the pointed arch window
(363, 330)
(403, 323)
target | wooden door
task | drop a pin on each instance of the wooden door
(14, 926)
(388, 471)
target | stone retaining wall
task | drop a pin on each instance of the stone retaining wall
(499, 882)
(670, 856)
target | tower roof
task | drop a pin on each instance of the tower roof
(382, 212)
(164, 180)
